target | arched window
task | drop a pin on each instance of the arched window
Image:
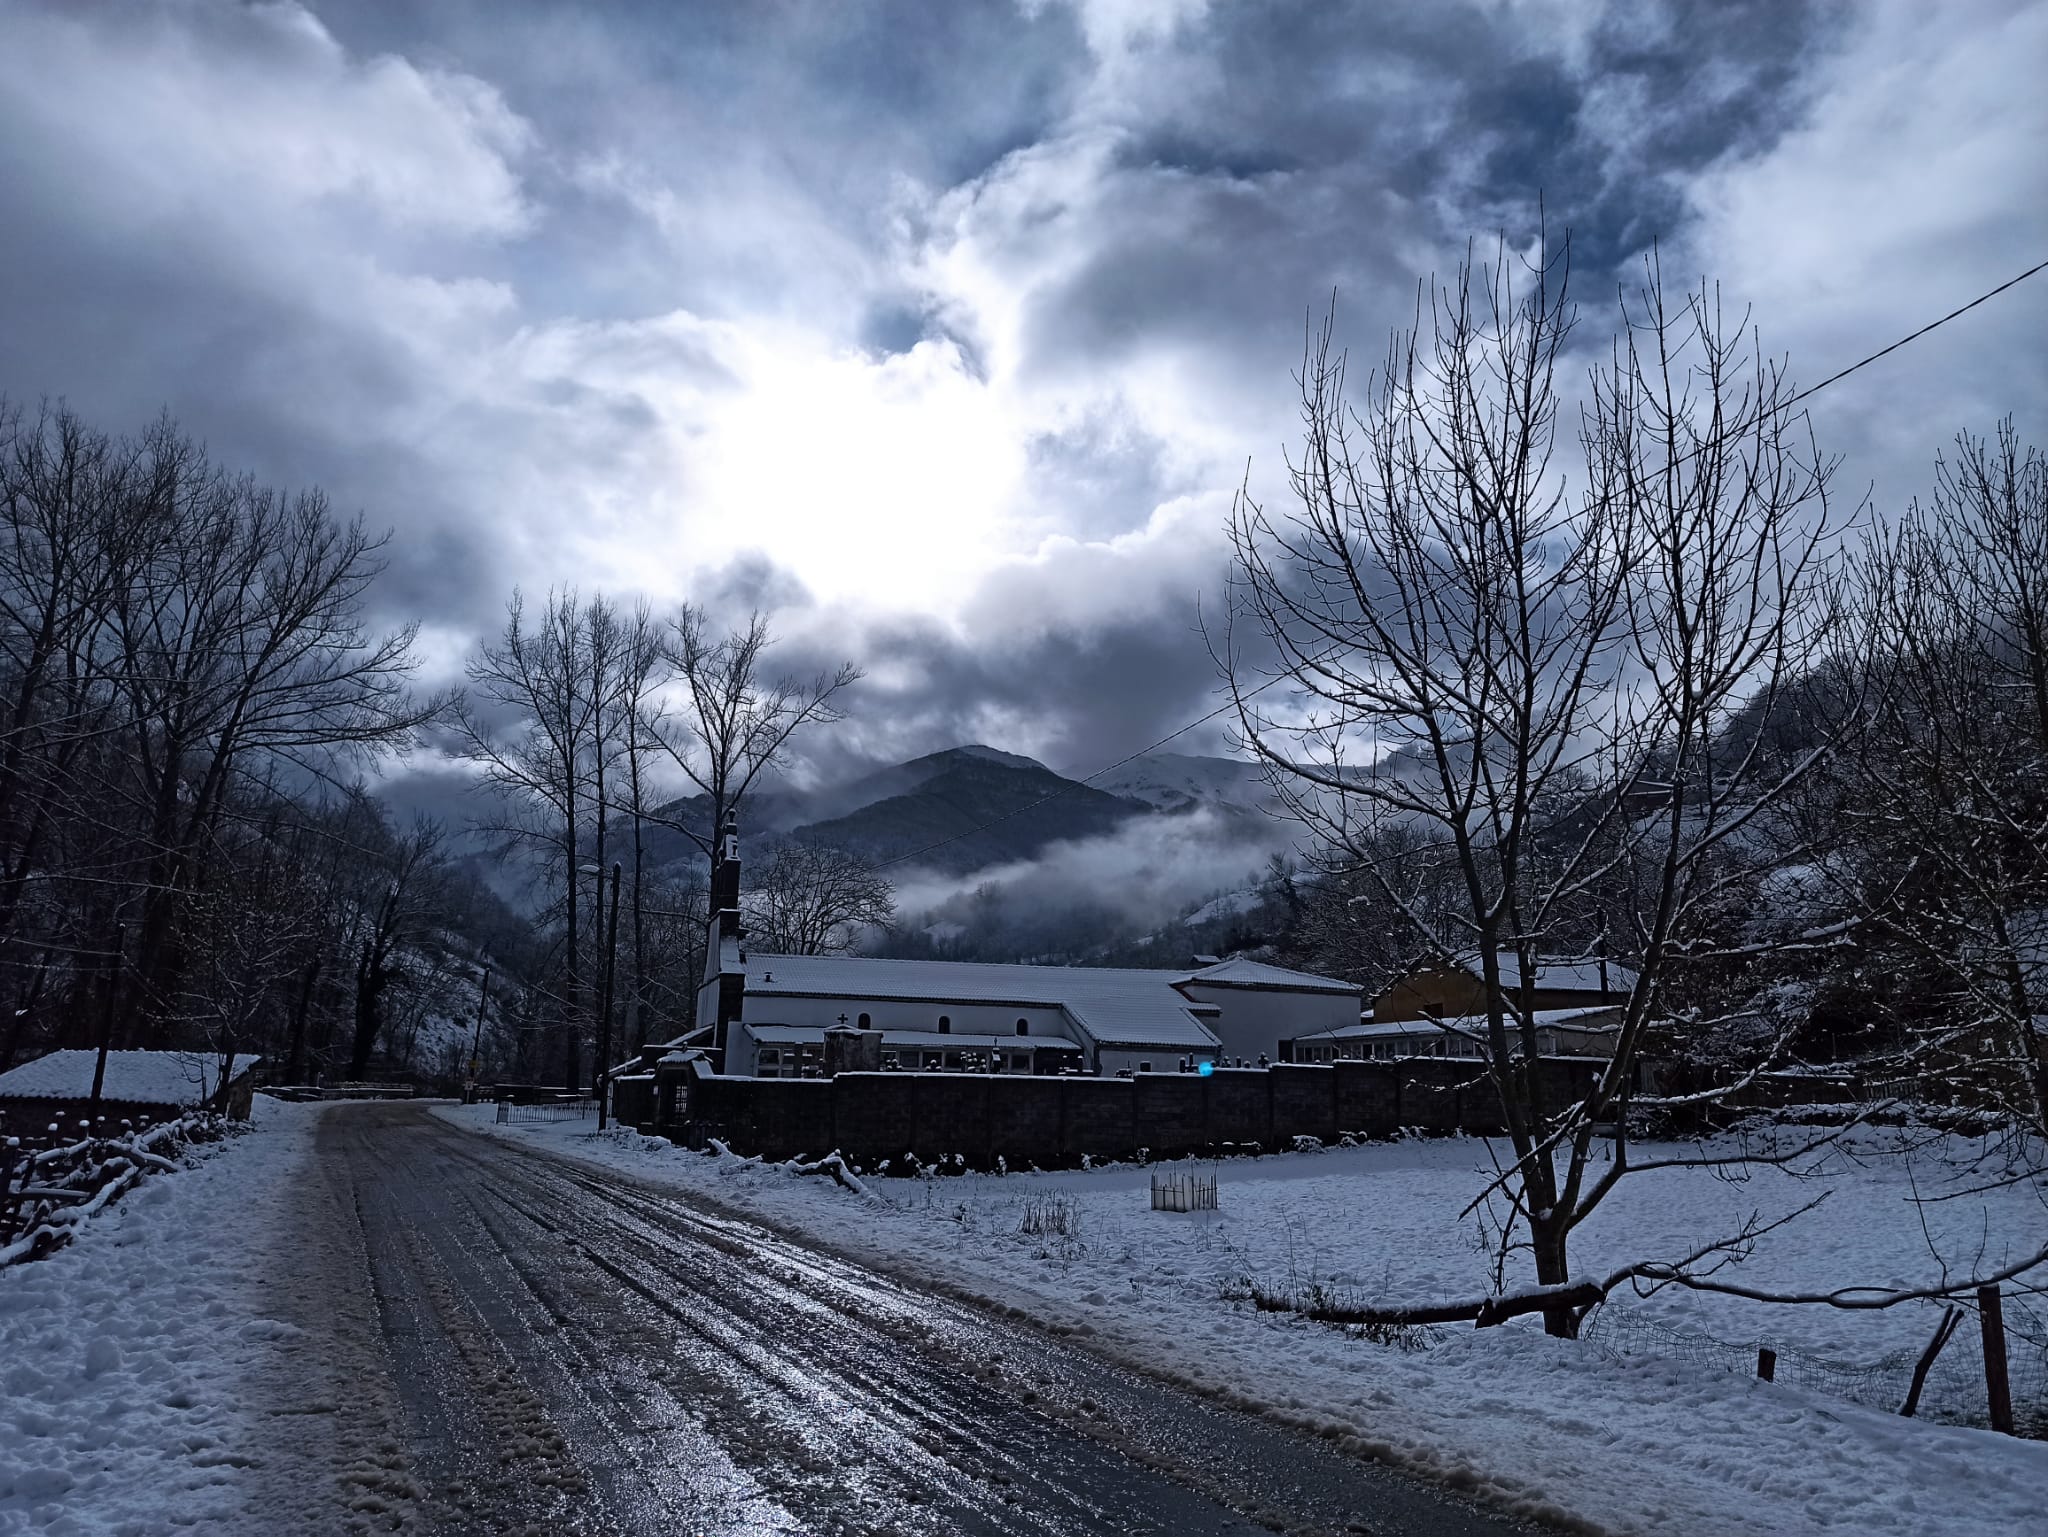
(863, 1021)
(1023, 1027)
(945, 1024)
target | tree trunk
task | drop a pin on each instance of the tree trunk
(1548, 1239)
(368, 984)
(295, 1062)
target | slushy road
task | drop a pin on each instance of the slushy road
(561, 1351)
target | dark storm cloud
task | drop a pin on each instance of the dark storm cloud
(1330, 142)
(124, 333)
(486, 272)
(817, 102)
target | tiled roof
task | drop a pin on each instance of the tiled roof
(1111, 1006)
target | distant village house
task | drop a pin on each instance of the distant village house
(790, 1016)
(1439, 1010)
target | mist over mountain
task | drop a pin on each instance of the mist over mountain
(1177, 782)
(997, 856)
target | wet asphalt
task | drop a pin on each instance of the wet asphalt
(576, 1352)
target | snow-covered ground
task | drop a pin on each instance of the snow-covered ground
(140, 1366)
(1643, 1444)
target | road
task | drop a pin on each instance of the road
(551, 1350)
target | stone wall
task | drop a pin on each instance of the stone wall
(1053, 1121)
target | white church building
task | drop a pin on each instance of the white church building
(770, 1016)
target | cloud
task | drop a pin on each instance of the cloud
(1146, 870)
(947, 330)
(1914, 183)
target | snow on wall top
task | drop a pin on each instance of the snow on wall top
(133, 1077)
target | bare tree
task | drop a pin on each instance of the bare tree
(731, 723)
(411, 893)
(247, 931)
(241, 645)
(172, 639)
(1554, 707)
(530, 722)
(1948, 794)
(66, 548)
(642, 672)
(813, 899)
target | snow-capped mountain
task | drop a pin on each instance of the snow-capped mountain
(1180, 782)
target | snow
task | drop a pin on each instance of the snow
(1232, 904)
(1581, 975)
(138, 1365)
(133, 1077)
(997, 755)
(1239, 972)
(1636, 1444)
(1112, 1006)
(1179, 782)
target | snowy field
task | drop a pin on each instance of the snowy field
(1643, 1444)
(148, 1380)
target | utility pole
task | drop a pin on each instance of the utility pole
(476, 1045)
(99, 1067)
(604, 1023)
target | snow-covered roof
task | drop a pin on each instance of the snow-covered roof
(1555, 975)
(1111, 1006)
(133, 1077)
(1594, 1017)
(1239, 972)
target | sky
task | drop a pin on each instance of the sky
(947, 331)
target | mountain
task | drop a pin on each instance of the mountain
(1179, 782)
(950, 795)
(907, 807)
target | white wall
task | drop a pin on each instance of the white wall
(1255, 1021)
(742, 1052)
(967, 1018)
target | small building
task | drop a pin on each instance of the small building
(1454, 989)
(811, 1016)
(1584, 1032)
(964, 1016)
(642, 1090)
(138, 1086)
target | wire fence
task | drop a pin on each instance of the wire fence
(1955, 1389)
(547, 1110)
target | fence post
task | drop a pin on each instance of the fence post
(1997, 1383)
(1767, 1363)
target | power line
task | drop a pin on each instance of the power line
(1232, 703)
(1916, 335)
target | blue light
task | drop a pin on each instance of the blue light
(1206, 1069)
